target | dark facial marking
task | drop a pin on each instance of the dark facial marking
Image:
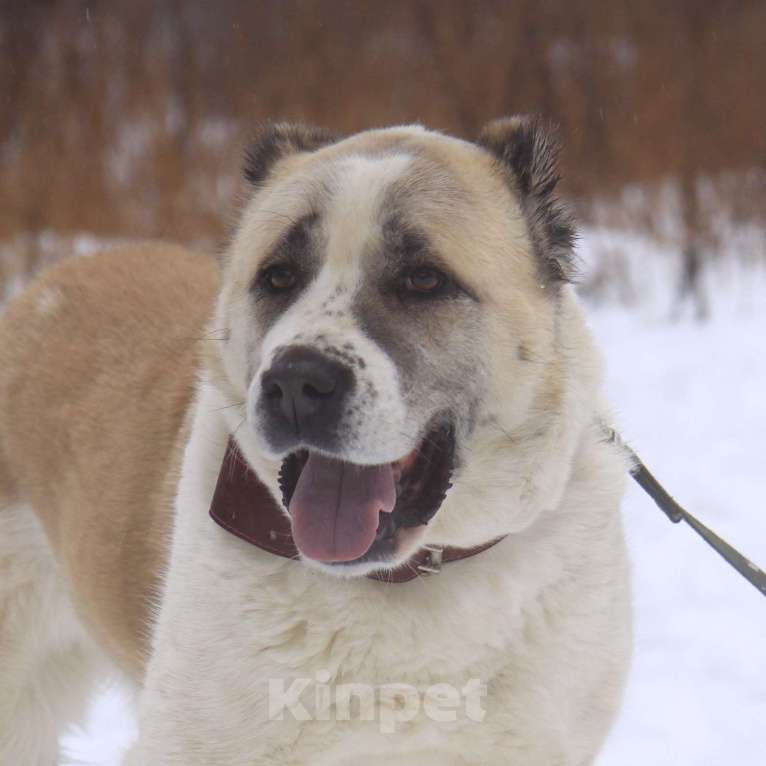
(409, 257)
(295, 254)
(426, 336)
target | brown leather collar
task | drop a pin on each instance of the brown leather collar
(244, 506)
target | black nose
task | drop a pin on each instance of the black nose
(303, 394)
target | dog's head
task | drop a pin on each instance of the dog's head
(392, 302)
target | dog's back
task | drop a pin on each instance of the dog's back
(97, 371)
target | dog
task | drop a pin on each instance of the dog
(343, 497)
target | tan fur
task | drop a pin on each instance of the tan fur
(93, 432)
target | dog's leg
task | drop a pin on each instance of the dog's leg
(46, 663)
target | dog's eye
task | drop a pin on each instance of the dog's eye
(279, 278)
(424, 280)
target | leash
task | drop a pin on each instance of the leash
(670, 507)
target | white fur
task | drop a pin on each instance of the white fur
(47, 661)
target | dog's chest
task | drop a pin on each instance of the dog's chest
(345, 663)
(426, 631)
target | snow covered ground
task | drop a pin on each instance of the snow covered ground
(691, 399)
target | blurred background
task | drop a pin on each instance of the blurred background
(126, 119)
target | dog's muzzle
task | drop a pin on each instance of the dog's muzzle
(343, 512)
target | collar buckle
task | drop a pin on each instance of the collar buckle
(433, 562)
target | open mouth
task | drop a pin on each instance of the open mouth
(346, 513)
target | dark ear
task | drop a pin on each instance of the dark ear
(273, 141)
(528, 150)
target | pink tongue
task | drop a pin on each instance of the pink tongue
(335, 507)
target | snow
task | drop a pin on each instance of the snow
(690, 398)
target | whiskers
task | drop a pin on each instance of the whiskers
(214, 334)
(241, 423)
(239, 405)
